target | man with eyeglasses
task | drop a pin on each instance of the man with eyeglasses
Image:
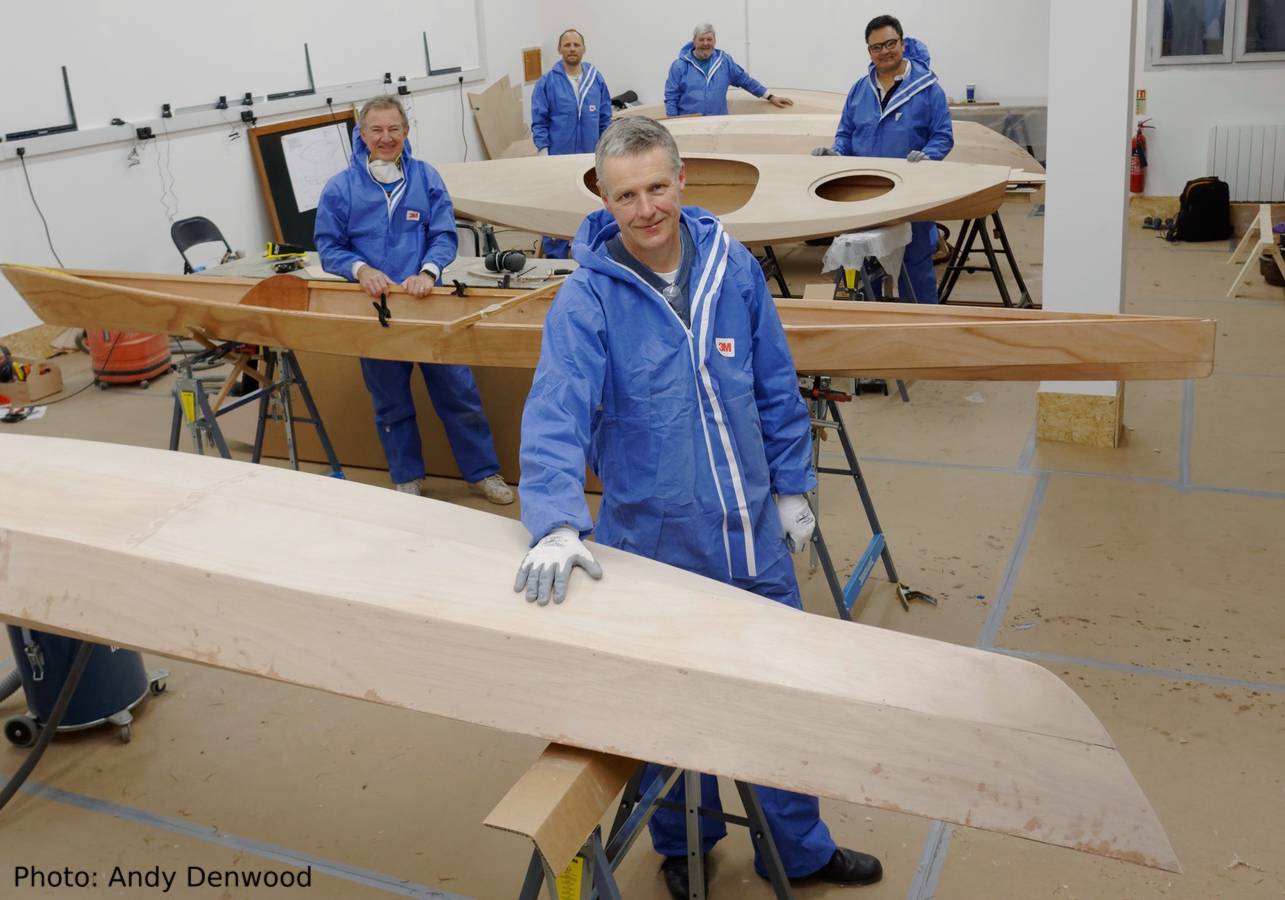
(899, 111)
(387, 223)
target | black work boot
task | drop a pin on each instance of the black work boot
(850, 867)
(674, 868)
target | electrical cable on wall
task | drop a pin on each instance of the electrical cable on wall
(462, 132)
(343, 136)
(167, 183)
(22, 158)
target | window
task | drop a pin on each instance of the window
(1264, 32)
(1182, 32)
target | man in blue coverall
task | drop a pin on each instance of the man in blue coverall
(665, 366)
(698, 80)
(898, 110)
(387, 222)
(570, 108)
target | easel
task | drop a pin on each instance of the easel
(1259, 233)
(276, 371)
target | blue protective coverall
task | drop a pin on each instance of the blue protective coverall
(689, 90)
(566, 120)
(916, 118)
(691, 431)
(399, 234)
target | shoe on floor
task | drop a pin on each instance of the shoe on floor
(674, 869)
(493, 488)
(410, 487)
(850, 867)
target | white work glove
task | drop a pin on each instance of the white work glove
(547, 566)
(543, 151)
(797, 520)
(823, 151)
(916, 156)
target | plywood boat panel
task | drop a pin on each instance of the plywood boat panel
(552, 195)
(832, 338)
(408, 602)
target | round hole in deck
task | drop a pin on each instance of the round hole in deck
(719, 185)
(854, 187)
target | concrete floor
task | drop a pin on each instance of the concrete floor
(1148, 577)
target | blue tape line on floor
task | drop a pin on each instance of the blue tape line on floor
(1132, 668)
(931, 861)
(999, 606)
(209, 835)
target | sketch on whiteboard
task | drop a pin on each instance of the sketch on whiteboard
(312, 157)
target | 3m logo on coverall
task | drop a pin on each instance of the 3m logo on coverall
(725, 346)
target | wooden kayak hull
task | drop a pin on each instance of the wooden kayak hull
(826, 337)
(409, 602)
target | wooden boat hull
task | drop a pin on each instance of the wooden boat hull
(799, 134)
(831, 338)
(409, 602)
(760, 198)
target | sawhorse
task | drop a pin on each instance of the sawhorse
(592, 872)
(275, 370)
(824, 403)
(969, 232)
(772, 269)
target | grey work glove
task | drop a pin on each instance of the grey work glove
(823, 151)
(543, 151)
(546, 568)
(916, 156)
(797, 520)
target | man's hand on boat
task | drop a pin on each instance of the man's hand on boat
(375, 282)
(547, 566)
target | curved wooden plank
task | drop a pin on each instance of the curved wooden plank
(409, 602)
(829, 338)
(760, 198)
(799, 134)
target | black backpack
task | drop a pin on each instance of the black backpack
(1204, 212)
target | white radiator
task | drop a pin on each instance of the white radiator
(1251, 159)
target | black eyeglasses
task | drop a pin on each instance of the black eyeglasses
(886, 45)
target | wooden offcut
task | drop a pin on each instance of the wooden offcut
(409, 602)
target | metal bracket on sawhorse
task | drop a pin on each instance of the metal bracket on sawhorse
(277, 373)
(824, 403)
(592, 873)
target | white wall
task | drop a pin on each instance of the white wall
(1185, 101)
(104, 213)
(1000, 45)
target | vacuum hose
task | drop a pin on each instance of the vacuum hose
(83, 651)
(9, 684)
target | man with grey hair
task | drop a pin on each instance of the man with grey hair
(664, 366)
(698, 80)
(387, 223)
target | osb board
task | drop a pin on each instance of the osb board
(35, 342)
(1091, 419)
(288, 576)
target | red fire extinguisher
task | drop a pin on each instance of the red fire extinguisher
(1138, 159)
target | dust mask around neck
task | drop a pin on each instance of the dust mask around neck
(385, 171)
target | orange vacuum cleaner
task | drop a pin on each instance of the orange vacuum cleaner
(127, 357)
